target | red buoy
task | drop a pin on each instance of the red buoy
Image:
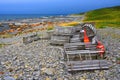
(101, 47)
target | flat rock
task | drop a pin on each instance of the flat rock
(8, 78)
(48, 71)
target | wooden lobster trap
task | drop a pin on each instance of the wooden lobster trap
(84, 60)
(61, 35)
(79, 36)
(30, 38)
(79, 58)
(81, 54)
(59, 39)
(82, 50)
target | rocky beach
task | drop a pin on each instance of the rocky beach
(41, 61)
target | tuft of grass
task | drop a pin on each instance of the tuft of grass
(1, 45)
(50, 28)
(69, 24)
(7, 35)
(118, 58)
(80, 14)
(104, 17)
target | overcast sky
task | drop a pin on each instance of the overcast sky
(53, 6)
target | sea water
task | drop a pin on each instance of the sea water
(8, 17)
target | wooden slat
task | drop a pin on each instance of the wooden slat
(77, 44)
(64, 30)
(89, 68)
(76, 36)
(82, 52)
(70, 44)
(87, 65)
(78, 28)
(58, 41)
(73, 48)
(86, 62)
(74, 41)
(60, 37)
(70, 47)
(30, 39)
(62, 34)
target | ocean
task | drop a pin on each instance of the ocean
(8, 17)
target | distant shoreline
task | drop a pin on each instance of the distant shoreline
(24, 18)
(10, 17)
(17, 27)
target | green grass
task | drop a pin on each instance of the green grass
(7, 35)
(118, 58)
(81, 14)
(104, 17)
(1, 45)
(50, 28)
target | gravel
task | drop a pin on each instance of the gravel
(41, 61)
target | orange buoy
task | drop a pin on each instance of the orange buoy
(86, 39)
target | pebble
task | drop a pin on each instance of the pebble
(48, 71)
(8, 78)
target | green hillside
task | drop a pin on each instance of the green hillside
(104, 17)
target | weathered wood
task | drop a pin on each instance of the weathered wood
(86, 62)
(76, 36)
(79, 46)
(79, 55)
(74, 44)
(87, 65)
(69, 47)
(89, 68)
(80, 39)
(78, 28)
(64, 30)
(82, 52)
(62, 34)
(59, 39)
(61, 42)
(75, 40)
(50, 33)
(30, 39)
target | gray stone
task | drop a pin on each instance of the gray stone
(8, 78)
(48, 71)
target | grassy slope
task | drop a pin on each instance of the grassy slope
(104, 17)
